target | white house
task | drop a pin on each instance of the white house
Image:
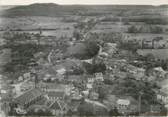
(91, 80)
(61, 71)
(20, 78)
(26, 75)
(99, 76)
(89, 86)
(163, 97)
(123, 103)
(127, 105)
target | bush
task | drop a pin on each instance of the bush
(93, 68)
(132, 29)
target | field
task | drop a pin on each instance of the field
(50, 26)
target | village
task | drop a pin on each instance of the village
(87, 73)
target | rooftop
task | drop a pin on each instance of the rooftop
(123, 101)
(58, 105)
(56, 94)
(28, 96)
(57, 86)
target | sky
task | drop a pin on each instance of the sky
(69, 2)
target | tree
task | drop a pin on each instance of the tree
(132, 29)
(114, 112)
(102, 91)
(93, 68)
(39, 112)
(85, 109)
(164, 64)
(92, 48)
(150, 57)
(77, 35)
(156, 30)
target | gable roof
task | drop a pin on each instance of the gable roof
(28, 96)
(60, 87)
(58, 105)
(59, 94)
(55, 105)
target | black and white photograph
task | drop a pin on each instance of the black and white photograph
(89, 58)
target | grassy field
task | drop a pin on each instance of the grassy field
(26, 23)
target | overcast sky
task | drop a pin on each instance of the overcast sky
(140, 2)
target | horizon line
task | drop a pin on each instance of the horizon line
(85, 4)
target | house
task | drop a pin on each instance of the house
(123, 103)
(103, 55)
(110, 48)
(7, 89)
(140, 72)
(51, 87)
(28, 98)
(127, 105)
(91, 80)
(109, 76)
(150, 78)
(88, 61)
(163, 84)
(74, 78)
(159, 72)
(155, 108)
(61, 71)
(39, 55)
(99, 76)
(89, 86)
(2, 41)
(121, 75)
(52, 78)
(134, 70)
(27, 86)
(85, 93)
(162, 96)
(27, 75)
(20, 78)
(55, 87)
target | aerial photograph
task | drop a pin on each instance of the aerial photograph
(73, 58)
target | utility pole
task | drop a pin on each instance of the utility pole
(139, 106)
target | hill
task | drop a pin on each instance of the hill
(51, 9)
(48, 9)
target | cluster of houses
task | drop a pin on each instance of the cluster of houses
(147, 41)
(62, 98)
